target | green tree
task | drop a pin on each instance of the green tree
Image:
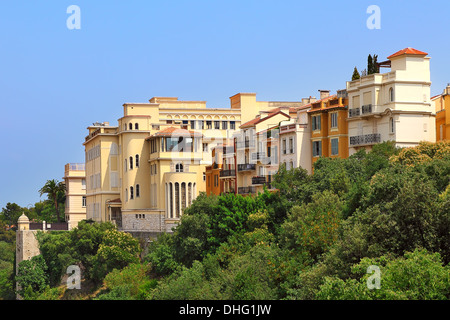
(55, 191)
(418, 275)
(116, 251)
(32, 277)
(313, 227)
(355, 75)
(11, 213)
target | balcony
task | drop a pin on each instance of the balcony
(246, 167)
(366, 139)
(366, 109)
(246, 190)
(227, 173)
(258, 180)
(354, 112)
(258, 155)
(245, 144)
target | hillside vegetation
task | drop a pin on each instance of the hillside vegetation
(312, 239)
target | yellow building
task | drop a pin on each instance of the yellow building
(75, 181)
(442, 107)
(136, 173)
(329, 130)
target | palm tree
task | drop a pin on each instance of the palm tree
(54, 190)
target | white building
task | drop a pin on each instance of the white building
(392, 106)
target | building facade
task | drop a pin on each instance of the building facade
(75, 181)
(392, 106)
(329, 131)
(442, 107)
(143, 172)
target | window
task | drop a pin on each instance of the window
(291, 145)
(391, 125)
(201, 124)
(136, 126)
(284, 146)
(205, 147)
(138, 191)
(315, 122)
(137, 161)
(192, 124)
(292, 164)
(334, 147)
(162, 144)
(131, 163)
(224, 125)
(125, 127)
(179, 167)
(130, 126)
(126, 195)
(153, 146)
(334, 120)
(83, 184)
(131, 193)
(177, 199)
(83, 202)
(208, 124)
(232, 125)
(391, 94)
(204, 176)
(217, 125)
(114, 179)
(126, 165)
(317, 148)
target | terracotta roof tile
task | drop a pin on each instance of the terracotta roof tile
(407, 51)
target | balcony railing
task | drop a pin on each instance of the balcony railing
(366, 139)
(246, 190)
(227, 173)
(258, 180)
(258, 155)
(246, 167)
(365, 109)
(354, 112)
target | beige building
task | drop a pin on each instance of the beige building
(75, 181)
(394, 105)
(144, 171)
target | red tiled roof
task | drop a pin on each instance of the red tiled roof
(259, 119)
(407, 51)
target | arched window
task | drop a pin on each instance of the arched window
(179, 167)
(391, 125)
(126, 195)
(183, 196)
(126, 165)
(189, 193)
(137, 161)
(130, 126)
(131, 193)
(138, 191)
(136, 126)
(391, 94)
(131, 163)
(177, 200)
(170, 200)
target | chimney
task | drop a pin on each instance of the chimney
(324, 94)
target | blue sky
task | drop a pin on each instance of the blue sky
(54, 82)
